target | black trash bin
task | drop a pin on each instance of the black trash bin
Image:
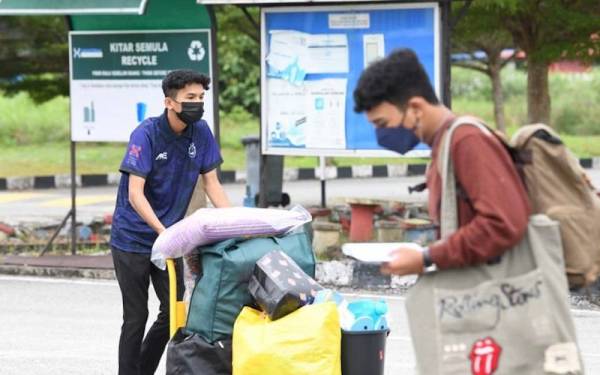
(272, 168)
(363, 352)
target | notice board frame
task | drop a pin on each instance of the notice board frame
(374, 150)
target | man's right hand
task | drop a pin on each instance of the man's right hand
(140, 203)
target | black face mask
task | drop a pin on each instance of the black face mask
(191, 112)
(399, 139)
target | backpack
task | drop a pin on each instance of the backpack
(559, 188)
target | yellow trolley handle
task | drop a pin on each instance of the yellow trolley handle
(176, 308)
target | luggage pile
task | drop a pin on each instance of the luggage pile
(256, 309)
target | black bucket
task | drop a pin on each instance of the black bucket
(363, 352)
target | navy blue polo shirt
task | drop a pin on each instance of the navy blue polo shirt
(171, 164)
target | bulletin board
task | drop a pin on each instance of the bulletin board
(311, 60)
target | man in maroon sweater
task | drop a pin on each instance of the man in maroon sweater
(493, 208)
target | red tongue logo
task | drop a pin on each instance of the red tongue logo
(485, 356)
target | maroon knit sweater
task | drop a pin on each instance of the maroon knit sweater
(493, 209)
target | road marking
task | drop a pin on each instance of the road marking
(16, 197)
(81, 201)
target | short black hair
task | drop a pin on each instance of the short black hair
(395, 79)
(178, 79)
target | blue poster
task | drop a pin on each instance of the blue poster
(312, 60)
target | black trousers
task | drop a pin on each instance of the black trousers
(139, 355)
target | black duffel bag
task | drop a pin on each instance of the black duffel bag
(189, 354)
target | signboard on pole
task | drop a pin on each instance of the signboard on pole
(311, 60)
(116, 76)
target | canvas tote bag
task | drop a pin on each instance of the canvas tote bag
(507, 318)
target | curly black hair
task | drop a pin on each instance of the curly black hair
(178, 79)
(395, 79)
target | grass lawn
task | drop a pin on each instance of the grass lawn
(96, 158)
(53, 158)
(34, 138)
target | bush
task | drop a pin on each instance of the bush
(470, 84)
(574, 98)
(22, 121)
(236, 125)
(471, 94)
(514, 82)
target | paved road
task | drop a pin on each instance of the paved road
(52, 205)
(64, 327)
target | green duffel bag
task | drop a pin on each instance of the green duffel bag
(227, 267)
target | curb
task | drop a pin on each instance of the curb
(228, 177)
(345, 274)
(85, 273)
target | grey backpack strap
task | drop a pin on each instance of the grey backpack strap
(449, 209)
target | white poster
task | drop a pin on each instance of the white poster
(326, 113)
(373, 48)
(109, 110)
(287, 114)
(294, 54)
(310, 115)
(116, 78)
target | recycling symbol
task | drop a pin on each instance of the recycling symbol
(196, 51)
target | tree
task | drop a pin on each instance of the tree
(547, 30)
(480, 30)
(238, 47)
(34, 56)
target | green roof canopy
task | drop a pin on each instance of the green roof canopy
(279, 2)
(158, 15)
(39, 7)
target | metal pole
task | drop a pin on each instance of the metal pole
(73, 202)
(323, 183)
(262, 170)
(446, 8)
(73, 212)
(62, 224)
(214, 73)
(263, 182)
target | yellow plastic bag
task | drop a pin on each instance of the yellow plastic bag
(305, 342)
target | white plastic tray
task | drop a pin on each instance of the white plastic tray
(375, 252)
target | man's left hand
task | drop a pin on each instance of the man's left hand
(405, 261)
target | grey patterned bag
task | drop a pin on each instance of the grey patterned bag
(279, 286)
(507, 318)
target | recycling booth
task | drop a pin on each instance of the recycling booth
(119, 52)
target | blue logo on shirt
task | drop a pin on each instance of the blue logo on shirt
(192, 151)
